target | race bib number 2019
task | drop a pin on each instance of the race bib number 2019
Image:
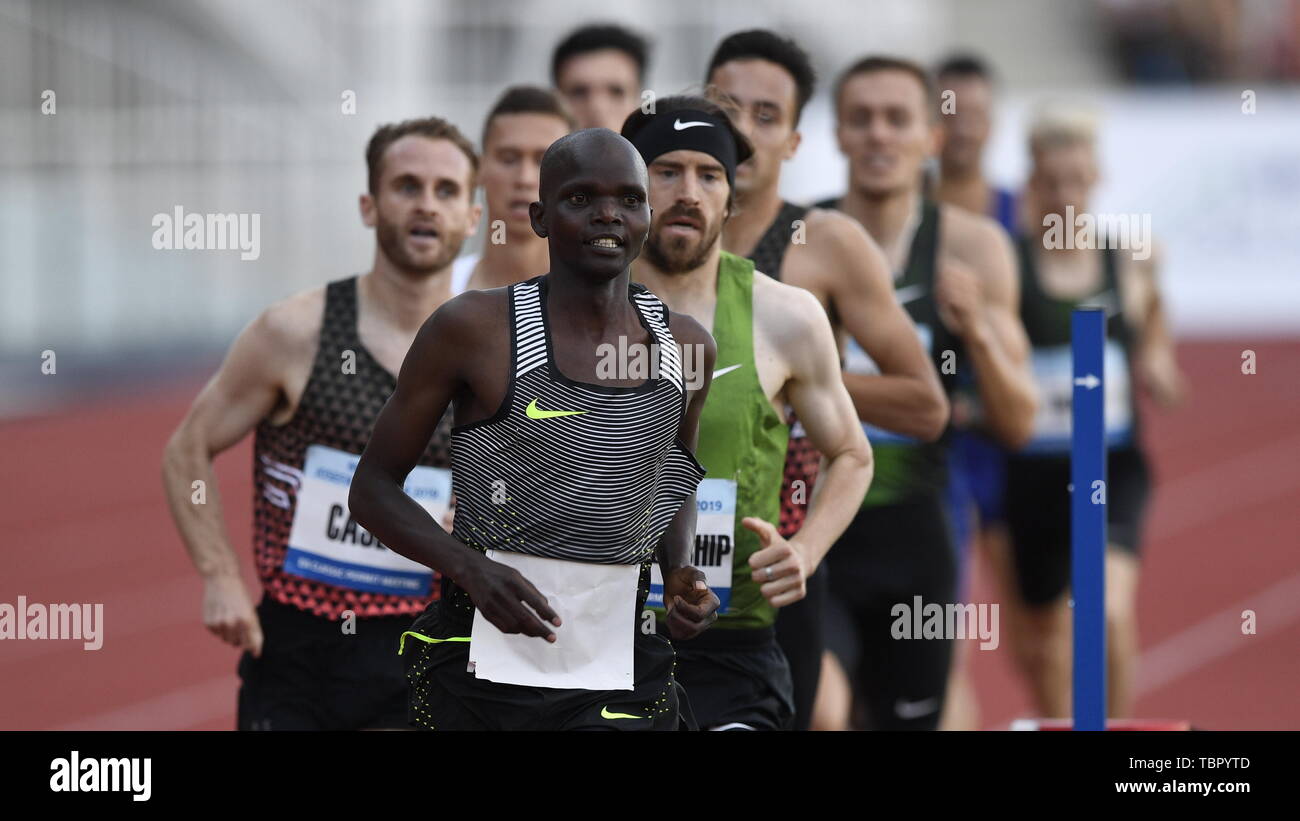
(715, 541)
(327, 545)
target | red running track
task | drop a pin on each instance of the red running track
(84, 521)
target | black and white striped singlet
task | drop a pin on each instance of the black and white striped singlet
(570, 470)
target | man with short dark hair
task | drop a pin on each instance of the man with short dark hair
(955, 275)
(523, 123)
(309, 376)
(599, 70)
(768, 79)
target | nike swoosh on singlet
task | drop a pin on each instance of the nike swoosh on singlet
(605, 713)
(535, 413)
(678, 125)
(909, 292)
(728, 369)
(915, 709)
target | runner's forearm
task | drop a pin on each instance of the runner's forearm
(841, 486)
(676, 546)
(379, 504)
(902, 404)
(197, 510)
(1006, 391)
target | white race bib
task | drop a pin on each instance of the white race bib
(327, 545)
(715, 541)
(1054, 373)
(593, 647)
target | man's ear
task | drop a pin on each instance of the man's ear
(792, 145)
(475, 215)
(536, 213)
(369, 213)
(936, 139)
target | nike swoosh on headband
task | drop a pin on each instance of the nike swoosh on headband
(678, 125)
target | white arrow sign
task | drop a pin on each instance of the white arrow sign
(1090, 381)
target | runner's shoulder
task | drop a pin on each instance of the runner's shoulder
(831, 235)
(292, 325)
(785, 308)
(471, 317)
(686, 330)
(967, 234)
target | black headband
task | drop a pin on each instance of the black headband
(688, 130)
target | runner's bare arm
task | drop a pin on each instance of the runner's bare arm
(906, 396)
(435, 370)
(251, 384)
(979, 299)
(691, 605)
(801, 334)
(1156, 360)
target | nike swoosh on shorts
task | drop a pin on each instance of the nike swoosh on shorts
(915, 709)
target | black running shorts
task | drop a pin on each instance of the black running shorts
(445, 696)
(314, 676)
(1038, 517)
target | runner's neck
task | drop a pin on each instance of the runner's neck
(696, 287)
(891, 220)
(405, 300)
(751, 219)
(967, 189)
(515, 260)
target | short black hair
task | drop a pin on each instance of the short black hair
(639, 118)
(596, 38)
(527, 100)
(762, 44)
(874, 63)
(964, 65)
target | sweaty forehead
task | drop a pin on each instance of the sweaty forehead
(596, 154)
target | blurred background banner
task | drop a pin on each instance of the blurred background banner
(114, 115)
(237, 106)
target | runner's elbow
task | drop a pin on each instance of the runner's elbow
(933, 420)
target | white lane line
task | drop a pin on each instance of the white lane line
(174, 710)
(1276, 607)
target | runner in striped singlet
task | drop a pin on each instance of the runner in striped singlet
(571, 479)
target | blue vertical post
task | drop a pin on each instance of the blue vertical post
(1088, 517)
